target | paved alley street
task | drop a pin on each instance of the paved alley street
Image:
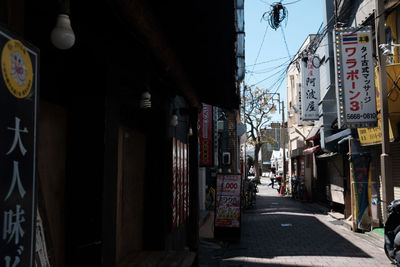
(280, 231)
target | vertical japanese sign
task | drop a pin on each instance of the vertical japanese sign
(180, 183)
(18, 123)
(174, 182)
(215, 135)
(205, 135)
(298, 103)
(355, 82)
(310, 92)
(178, 186)
(228, 200)
(361, 182)
(185, 181)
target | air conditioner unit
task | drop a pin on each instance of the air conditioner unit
(226, 158)
(220, 126)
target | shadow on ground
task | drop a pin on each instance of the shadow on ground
(278, 226)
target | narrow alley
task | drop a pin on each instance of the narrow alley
(281, 231)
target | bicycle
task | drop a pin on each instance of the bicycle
(295, 187)
(250, 191)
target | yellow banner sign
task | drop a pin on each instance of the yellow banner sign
(373, 135)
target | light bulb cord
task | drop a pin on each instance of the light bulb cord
(64, 7)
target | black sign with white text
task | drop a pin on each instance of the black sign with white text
(18, 126)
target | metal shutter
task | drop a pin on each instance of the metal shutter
(395, 155)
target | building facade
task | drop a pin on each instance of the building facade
(301, 130)
(116, 142)
(338, 143)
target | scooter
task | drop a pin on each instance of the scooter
(392, 232)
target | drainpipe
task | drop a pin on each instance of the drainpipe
(386, 170)
(284, 144)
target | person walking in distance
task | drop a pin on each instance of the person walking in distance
(273, 171)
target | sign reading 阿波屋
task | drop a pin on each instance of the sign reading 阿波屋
(355, 85)
(18, 124)
(310, 89)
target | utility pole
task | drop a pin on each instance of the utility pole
(284, 144)
(245, 143)
(386, 170)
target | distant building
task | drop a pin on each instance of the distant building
(268, 148)
(277, 159)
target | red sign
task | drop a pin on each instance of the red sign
(174, 182)
(205, 135)
(180, 183)
(228, 200)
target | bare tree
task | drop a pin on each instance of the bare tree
(257, 108)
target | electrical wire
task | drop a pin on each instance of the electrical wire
(334, 22)
(268, 61)
(276, 15)
(282, 73)
(269, 69)
(294, 2)
(279, 71)
(312, 47)
(284, 40)
(282, 67)
(258, 54)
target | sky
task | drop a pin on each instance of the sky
(267, 47)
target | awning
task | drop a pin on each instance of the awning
(327, 155)
(349, 137)
(311, 150)
(338, 135)
(313, 134)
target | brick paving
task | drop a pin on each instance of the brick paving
(281, 231)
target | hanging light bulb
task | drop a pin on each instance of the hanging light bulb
(62, 36)
(145, 100)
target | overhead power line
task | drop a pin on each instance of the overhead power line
(284, 40)
(276, 15)
(268, 61)
(258, 54)
(294, 2)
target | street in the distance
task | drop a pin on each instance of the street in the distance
(281, 231)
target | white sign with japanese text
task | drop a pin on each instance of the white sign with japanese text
(310, 91)
(355, 77)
